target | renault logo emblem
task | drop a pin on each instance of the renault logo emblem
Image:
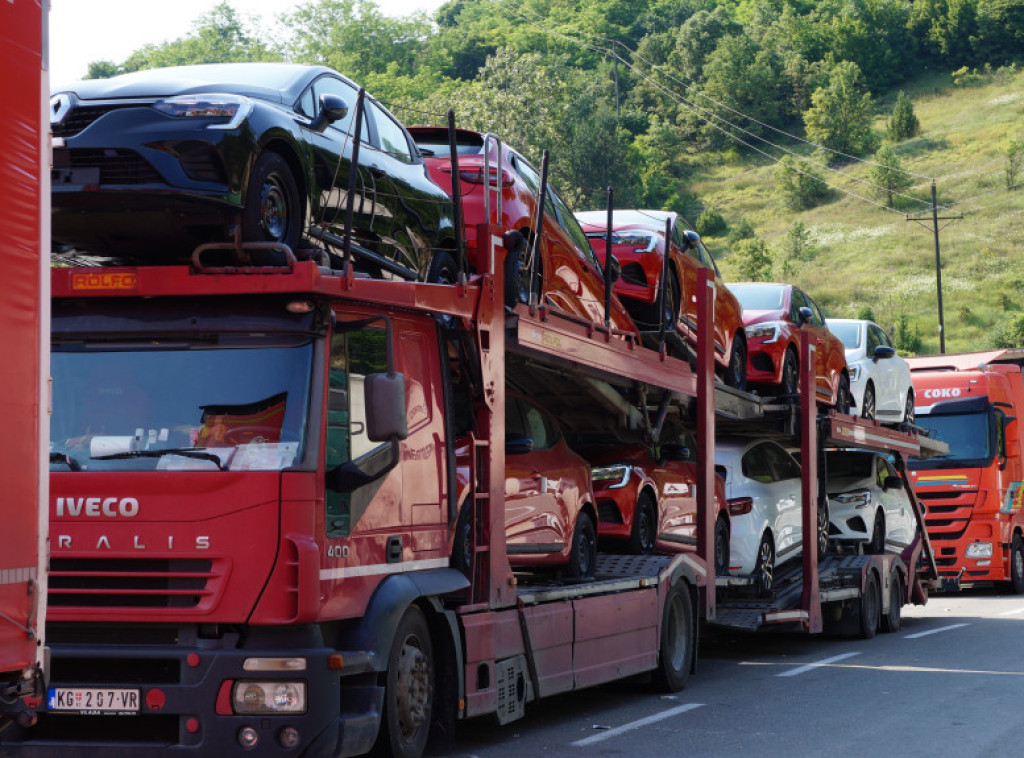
(60, 105)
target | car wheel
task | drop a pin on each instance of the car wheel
(892, 620)
(764, 568)
(645, 526)
(736, 373)
(677, 632)
(908, 410)
(843, 397)
(823, 524)
(517, 273)
(790, 374)
(273, 210)
(409, 689)
(583, 555)
(443, 269)
(1016, 583)
(722, 547)
(876, 546)
(867, 406)
(870, 607)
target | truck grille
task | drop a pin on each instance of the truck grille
(84, 115)
(130, 582)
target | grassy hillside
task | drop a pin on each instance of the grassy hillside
(867, 256)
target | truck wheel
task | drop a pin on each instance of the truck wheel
(409, 693)
(676, 652)
(273, 210)
(870, 607)
(1016, 583)
(645, 526)
(583, 556)
(891, 621)
(722, 549)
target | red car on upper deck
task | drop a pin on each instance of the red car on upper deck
(775, 315)
(647, 497)
(638, 243)
(571, 276)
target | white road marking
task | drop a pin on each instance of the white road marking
(934, 631)
(818, 664)
(636, 724)
(1012, 613)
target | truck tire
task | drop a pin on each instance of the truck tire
(677, 631)
(891, 621)
(870, 607)
(1016, 583)
(409, 689)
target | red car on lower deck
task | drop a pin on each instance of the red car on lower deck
(571, 277)
(638, 243)
(775, 315)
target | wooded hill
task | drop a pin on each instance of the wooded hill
(798, 136)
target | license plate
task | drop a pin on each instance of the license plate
(75, 177)
(94, 701)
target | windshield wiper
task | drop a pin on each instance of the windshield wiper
(67, 460)
(186, 452)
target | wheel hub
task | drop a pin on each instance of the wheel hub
(413, 688)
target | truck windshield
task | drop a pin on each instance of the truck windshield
(180, 406)
(969, 436)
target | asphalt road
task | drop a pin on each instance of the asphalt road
(950, 682)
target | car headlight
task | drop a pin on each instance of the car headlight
(979, 550)
(234, 108)
(617, 474)
(769, 330)
(269, 697)
(855, 498)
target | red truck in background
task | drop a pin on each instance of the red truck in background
(24, 311)
(973, 495)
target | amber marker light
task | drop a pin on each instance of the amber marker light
(335, 662)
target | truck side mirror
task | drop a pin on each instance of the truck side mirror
(385, 407)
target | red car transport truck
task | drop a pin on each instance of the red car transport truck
(24, 310)
(973, 495)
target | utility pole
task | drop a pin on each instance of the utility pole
(934, 222)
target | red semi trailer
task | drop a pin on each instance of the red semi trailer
(24, 311)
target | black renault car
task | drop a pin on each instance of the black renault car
(147, 165)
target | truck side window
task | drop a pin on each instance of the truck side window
(353, 355)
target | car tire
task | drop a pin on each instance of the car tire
(675, 654)
(409, 689)
(1016, 584)
(722, 547)
(462, 542)
(583, 555)
(645, 525)
(892, 620)
(443, 269)
(273, 210)
(517, 274)
(876, 545)
(790, 374)
(843, 397)
(764, 567)
(736, 372)
(823, 527)
(867, 405)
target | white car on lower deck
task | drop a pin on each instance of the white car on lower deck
(868, 501)
(879, 378)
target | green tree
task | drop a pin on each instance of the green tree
(800, 183)
(1009, 332)
(840, 115)
(799, 243)
(888, 175)
(752, 260)
(711, 223)
(903, 122)
(102, 70)
(741, 231)
(1014, 162)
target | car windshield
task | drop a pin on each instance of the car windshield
(847, 465)
(967, 434)
(182, 406)
(759, 297)
(434, 142)
(847, 332)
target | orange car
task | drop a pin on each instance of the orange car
(638, 242)
(571, 276)
(549, 514)
(647, 498)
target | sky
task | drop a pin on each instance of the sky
(83, 31)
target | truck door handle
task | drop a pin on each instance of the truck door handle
(394, 549)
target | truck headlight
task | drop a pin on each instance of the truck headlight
(979, 550)
(769, 330)
(855, 498)
(269, 697)
(611, 477)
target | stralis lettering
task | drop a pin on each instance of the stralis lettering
(103, 542)
(98, 507)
